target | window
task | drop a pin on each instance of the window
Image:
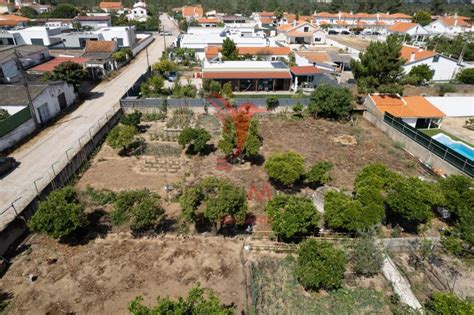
(306, 29)
(120, 42)
(37, 41)
(436, 58)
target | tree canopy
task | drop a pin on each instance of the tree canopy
(330, 102)
(292, 215)
(244, 140)
(121, 136)
(132, 119)
(448, 304)
(319, 173)
(64, 11)
(466, 76)
(60, 215)
(272, 102)
(422, 17)
(420, 74)
(320, 265)
(28, 12)
(153, 87)
(68, 71)
(229, 50)
(196, 138)
(285, 167)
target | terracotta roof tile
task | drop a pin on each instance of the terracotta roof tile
(326, 15)
(401, 27)
(192, 11)
(100, 46)
(420, 54)
(406, 107)
(50, 65)
(304, 70)
(451, 21)
(208, 20)
(266, 20)
(110, 5)
(266, 14)
(315, 56)
(400, 16)
(12, 20)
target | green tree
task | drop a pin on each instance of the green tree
(413, 200)
(419, 74)
(278, 14)
(454, 47)
(228, 142)
(4, 114)
(292, 215)
(121, 136)
(343, 212)
(196, 138)
(183, 25)
(449, 304)
(64, 11)
(252, 143)
(466, 76)
(380, 67)
(68, 71)
(456, 190)
(366, 256)
(229, 50)
(28, 12)
(319, 173)
(285, 167)
(132, 119)
(330, 102)
(138, 208)
(272, 102)
(422, 17)
(437, 7)
(292, 59)
(164, 65)
(153, 87)
(200, 301)
(320, 265)
(119, 56)
(60, 215)
(227, 90)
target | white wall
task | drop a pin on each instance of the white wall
(126, 33)
(444, 70)
(17, 134)
(49, 96)
(39, 32)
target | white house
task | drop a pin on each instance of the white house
(415, 30)
(93, 22)
(139, 12)
(449, 25)
(444, 68)
(29, 56)
(37, 35)
(301, 33)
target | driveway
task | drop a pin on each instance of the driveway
(48, 152)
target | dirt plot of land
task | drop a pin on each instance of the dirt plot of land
(104, 275)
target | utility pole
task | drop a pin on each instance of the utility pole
(461, 56)
(25, 84)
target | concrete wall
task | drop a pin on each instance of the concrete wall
(444, 70)
(144, 42)
(17, 134)
(49, 96)
(426, 157)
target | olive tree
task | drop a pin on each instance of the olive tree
(285, 167)
(121, 136)
(366, 256)
(195, 138)
(330, 102)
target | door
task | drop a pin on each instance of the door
(43, 113)
(62, 101)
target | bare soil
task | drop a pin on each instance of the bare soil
(103, 276)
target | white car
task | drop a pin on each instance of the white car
(166, 33)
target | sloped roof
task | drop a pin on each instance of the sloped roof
(266, 14)
(304, 70)
(266, 20)
(208, 20)
(315, 56)
(452, 21)
(110, 5)
(327, 15)
(100, 46)
(406, 107)
(92, 18)
(15, 94)
(50, 65)
(12, 20)
(420, 54)
(402, 27)
(400, 16)
(192, 11)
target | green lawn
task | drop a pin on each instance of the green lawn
(432, 132)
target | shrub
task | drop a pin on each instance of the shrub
(298, 108)
(60, 215)
(230, 142)
(456, 190)
(452, 244)
(199, 301)
(132, 119)
(448, 304)
(285, 168)
(292, 215)
(466, 76)
(138, 208)
(420, 74)
(367, 257)
(196, 138)
(330, 102)
(445, 88)
(272, 102)
(100, 197)
(228, 91)
(121, 136)
(320, 265)
(153, 87)
(319, 173)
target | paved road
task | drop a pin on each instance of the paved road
(50, 148)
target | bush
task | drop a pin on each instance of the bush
(60, 215)
(453, 244)
(298, 108)
(320, 265)
(445, 88)
(366, 256)
(196, 138)
(330, 102)
(466, 76)
(448, 304)
(121, 136)
(132, 119)
(229, 143)
(420, 74)
(228, 91)
(319, 173)
(199, 301)
(153, 87)
(138, 208)
(100, 197)
(456, 190)
(272, 102)
(285, 168)
(292, 215)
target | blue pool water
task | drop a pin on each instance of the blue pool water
(457, 146)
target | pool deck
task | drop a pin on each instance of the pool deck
(454, 126)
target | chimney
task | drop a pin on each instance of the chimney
(294, 23)
(339, 15)
(412, 56)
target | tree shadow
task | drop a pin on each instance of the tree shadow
(4, 298)
(397, 220)
(208, 149)
(99, 226)
(257, 160)
(202, 224)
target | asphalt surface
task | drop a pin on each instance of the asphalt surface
(48, 152)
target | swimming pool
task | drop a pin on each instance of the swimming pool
(457, 146)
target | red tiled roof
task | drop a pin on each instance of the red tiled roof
(327, 15)
(110, 5)
(315, 56)
(451, 21)
(50, 65)
(12, 20)
(266, 20)
(406, 107)
(266, 14)
(304, 70)
(100, 46)
(401, 27)
(420, 54)
(247, 75)
(192, 11)
(207, 20)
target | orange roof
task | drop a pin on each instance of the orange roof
(296, 33)
(12, 20)
(400, 16)
(304, 70)
(266, 20)
(208, 20)
(365, 15)
(110, 5)
(420, 54)
(192, 11)
(290, 17)
(50, 65)
(285, 27)
(323, 22)
(451, 21)
(380, 23)
(341, 22)
(305, 18)
(315, 56)
(100, 46)
(406, 107)
(361, 23)
(401, 27)
(266, 14)
(247, 75)
(327, 15)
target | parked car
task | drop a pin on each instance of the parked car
(166, 33)
(333, 32)
(376, 33)
(345, 33)
(366, 33)
(6, 164)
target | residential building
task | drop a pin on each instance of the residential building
(110, 7)
(208, 22)
(37, 35)
(416, 111)
(449, 25)
(417, 32)
(249, 75)
(200, 42)
(444, 68)
(10, 21)
(48, 100)
(301, 33)
(93, 22)
(233, 19)
(63, 24)
(320, 59)
(350, 19)
(255, 53)
(192, 12)
(309, 77)
(125, 36)
(51, 64)
(139, 12)
(100, 61)
(28, 56)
